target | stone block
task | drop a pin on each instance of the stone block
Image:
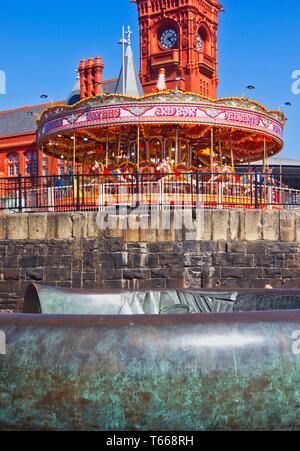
(210, 277)
(166, 235)
(253, 225)
(241, 273)
(34, 274)
(166, 247)
(271, 225)
(94, 227)
(89, 276)
(220, 225)
(160, 273)
(272, 273)
(208, 220)
(17, 227)
(119, 260)
(265, 260)
(237, 225)
(148, 236)
(292, 261)
(12, 274)
(239, 284)
(139, 274)
(38, 227)
(288, 226)
(236, 247)
(175, 284)
(192, 247)
(291, 273)
(115, 284)
(170, 260)
(132, 236)
(64, 227)
(116, 245)
(113, 274)
(80, 227)
(233, 260)
(30, 262)
(3, 224)
(147, 284)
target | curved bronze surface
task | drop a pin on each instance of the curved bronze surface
(237, 371)
(50, 300)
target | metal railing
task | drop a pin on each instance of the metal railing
(94, 192)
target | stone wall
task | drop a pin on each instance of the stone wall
(234, 249)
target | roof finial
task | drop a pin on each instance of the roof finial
(161, 83)
(129, 33)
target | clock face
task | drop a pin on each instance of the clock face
(199, 43)
(168, 39)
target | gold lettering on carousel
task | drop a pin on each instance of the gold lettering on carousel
(169, 111)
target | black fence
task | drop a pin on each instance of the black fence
(93, 192)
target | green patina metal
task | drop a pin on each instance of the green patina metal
(45, 300)
(236, 371)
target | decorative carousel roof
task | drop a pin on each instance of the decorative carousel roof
(167, 107)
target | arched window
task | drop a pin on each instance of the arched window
(203, 40)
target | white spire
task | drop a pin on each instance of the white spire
(129, 81)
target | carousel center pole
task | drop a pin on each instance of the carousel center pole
(107, 148)
(177, 147)
(74, 154)
(220, 149)
(138, 148)
(265, 156)
(119, 146)
(232, 153)
(212, 151)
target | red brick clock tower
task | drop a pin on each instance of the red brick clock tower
(181, 37)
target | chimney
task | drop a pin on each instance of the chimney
(90, 77)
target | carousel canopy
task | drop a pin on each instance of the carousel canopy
(195, 127)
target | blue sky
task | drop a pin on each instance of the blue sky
(42, 43)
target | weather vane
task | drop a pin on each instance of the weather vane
(129, 33)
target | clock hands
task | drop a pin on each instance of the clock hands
(169, 38)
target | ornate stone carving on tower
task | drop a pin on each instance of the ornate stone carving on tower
(181, 37)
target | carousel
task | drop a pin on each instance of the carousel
(169, 147)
